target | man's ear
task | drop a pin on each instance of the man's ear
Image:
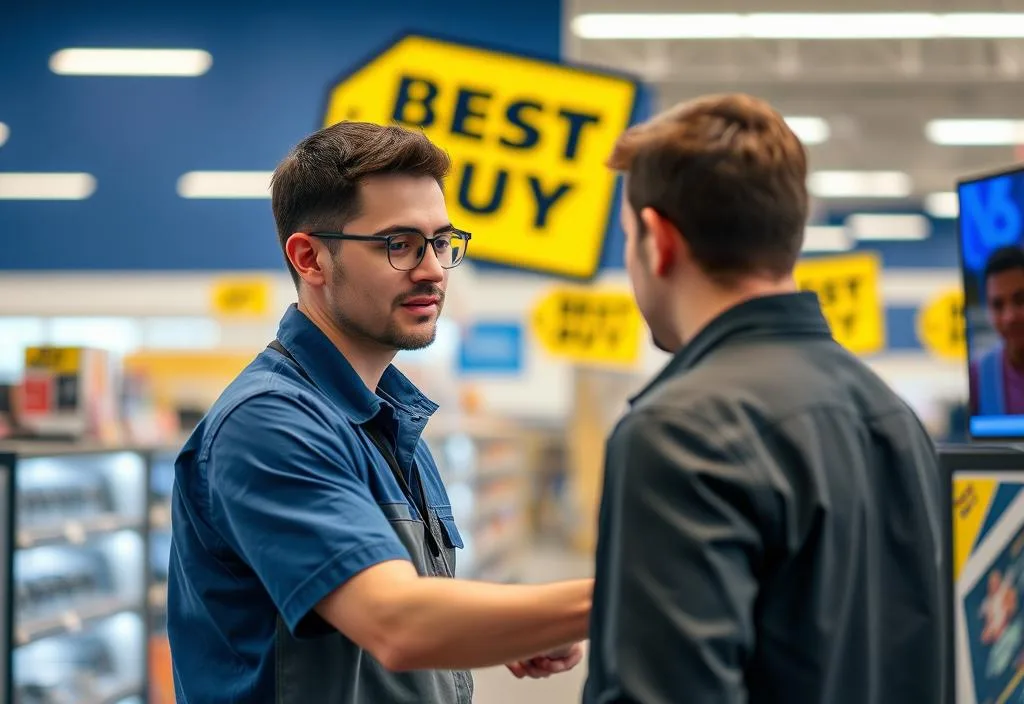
(664, 243)
(303, 253)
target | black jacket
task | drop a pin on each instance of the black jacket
(770, 528)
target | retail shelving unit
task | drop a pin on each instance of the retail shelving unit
(77, 557)
(85, 540)
(6, 568)
(484, 466)
(161, 479)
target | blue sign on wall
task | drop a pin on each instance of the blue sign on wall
(138, 135)
(491, 348)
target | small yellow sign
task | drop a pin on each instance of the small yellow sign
(971, 501)
(848, 288)
(247, 297)
(589, 326)
(528, 140)
(941, 327)
(58, 360)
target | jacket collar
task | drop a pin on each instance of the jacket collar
(780, 316)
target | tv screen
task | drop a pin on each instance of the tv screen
(991, 234)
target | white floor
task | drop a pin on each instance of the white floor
(497, 685)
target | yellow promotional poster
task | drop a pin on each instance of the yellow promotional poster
(528, 140)
(941, 327)
(988, 574)
(241, 297)
(589, 326)
(848, 287)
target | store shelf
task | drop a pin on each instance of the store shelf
(486, 471)
(158, 596)
(68, 621)
(160, 516)
(74, 531)
(123, 694)
(78, 574)
(159, 672)
(113, 692)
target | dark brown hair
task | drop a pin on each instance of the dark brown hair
(729, 173)
(316, 187)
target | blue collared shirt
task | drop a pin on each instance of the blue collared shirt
(279, 498)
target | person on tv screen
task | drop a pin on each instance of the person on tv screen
(997, 375)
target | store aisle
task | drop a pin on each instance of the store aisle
(497, 685)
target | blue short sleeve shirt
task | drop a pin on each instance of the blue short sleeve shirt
(279, 498)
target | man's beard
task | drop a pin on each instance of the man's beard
(392, 337)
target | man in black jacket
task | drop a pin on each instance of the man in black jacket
(770, 529)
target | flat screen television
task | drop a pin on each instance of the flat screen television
(991, 241)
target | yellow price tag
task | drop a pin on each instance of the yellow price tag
(589, 326)
(941, 326)
(528, 140)
(848, 288)
(241, 297)
(59, 360)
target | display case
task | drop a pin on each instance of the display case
(78, 553)
(486, 472)
(161, 480)
(985, 549)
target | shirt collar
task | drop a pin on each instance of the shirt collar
(775, 316)
(334, 375)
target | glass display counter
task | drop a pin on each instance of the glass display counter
(77, 559)
(161, 682)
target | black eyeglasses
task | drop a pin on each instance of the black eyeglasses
(406, 248)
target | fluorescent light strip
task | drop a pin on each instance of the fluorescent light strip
(130, 62)
(225, 184)
(795, 25)
(810, 130)
(974, 132)
(860, 184)
(5, 132)
(942, 205)
(877, 226)
(826, 238)
(46, 186)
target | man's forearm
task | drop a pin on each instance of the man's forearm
(457, 624)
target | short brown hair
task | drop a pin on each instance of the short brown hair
(729, 173)
(316, 187)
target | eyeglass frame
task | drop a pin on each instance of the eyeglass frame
(385, 236)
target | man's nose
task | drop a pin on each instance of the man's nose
(429, 269)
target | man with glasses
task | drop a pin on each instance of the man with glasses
(313, 540)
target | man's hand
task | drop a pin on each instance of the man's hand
(550, 663)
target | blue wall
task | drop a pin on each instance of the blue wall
(272, 66)
(265, 91)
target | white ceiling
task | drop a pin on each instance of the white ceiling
(877, 95)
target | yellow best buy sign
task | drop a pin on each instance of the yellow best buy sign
(590, 326)
(241, 297)
(848, 287)
(941, 326)
(59, 360)
(528, 140)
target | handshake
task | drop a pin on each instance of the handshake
(550, 663)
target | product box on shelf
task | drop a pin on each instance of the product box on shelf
(69, 392)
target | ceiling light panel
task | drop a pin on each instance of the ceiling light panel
(130, 62)
(800, 25)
